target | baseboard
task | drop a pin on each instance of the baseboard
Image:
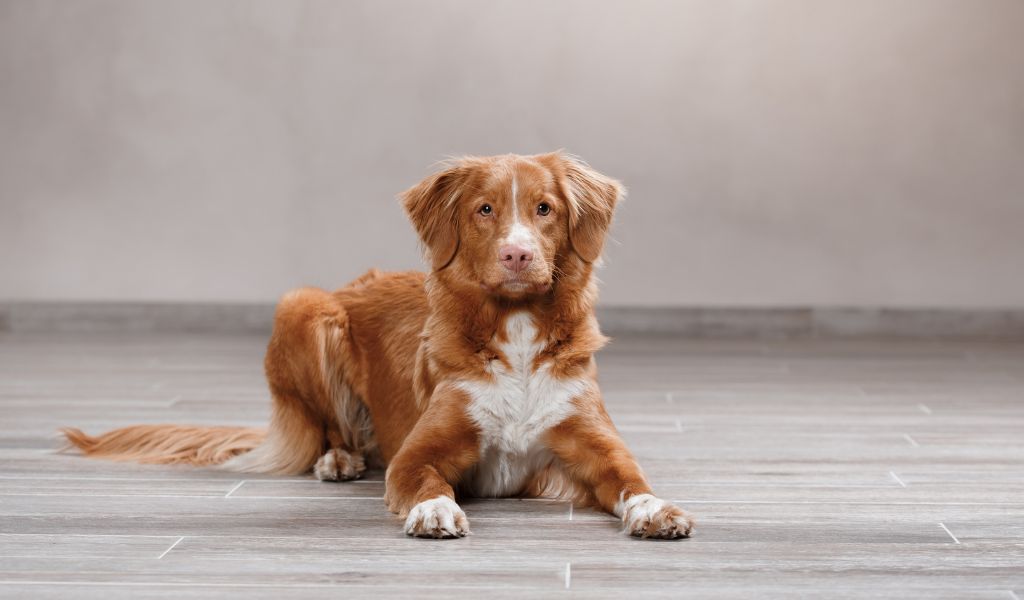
(822, 323)
(908, 323)
(185, 317)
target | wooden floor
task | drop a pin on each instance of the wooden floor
(849, 469)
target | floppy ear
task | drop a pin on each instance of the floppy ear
(592, 198)
(432, 208)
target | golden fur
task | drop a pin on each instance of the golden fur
(377, 372)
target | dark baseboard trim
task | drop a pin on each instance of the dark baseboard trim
(822, 323)
(185, 317)
(715, 323)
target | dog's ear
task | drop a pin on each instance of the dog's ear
(432, 206)
(592, 198)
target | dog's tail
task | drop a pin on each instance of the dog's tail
(167, 444)
(290, 447)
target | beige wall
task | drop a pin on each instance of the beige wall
(778, 152)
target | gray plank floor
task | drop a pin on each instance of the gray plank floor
(848, 469)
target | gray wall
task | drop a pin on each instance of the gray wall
(778, 152)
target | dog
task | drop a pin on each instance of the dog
(477, 379)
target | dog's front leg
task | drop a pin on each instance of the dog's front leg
(597, 458)
(443, 444)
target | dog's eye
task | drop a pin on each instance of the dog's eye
(544, 209)
(486, 210)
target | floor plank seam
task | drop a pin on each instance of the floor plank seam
(239, 584)
(677, 500)
(946, 529)
(235, 489)
(128, 535)
(897, 478)
(195, 496)
(176, 542)
(162, 479)
(846, 502)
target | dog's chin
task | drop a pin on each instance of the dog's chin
(517, 288)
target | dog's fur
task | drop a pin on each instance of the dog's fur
(473, 378)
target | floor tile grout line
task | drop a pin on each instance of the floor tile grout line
(178, 479)
(844, 502)
(128, 535)
(686, 500)
(51, 556)
(313, 483)
(178, 541)
(946, 529)
(568, 575)
(603, 521)
(195, 496)
(221, 584)
(235, 489)
(777, 485)
(897, 478)
(911, 440)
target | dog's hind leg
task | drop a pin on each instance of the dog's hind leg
(348, 430)
(350, 440)
(314, 406)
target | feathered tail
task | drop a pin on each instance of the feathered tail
(290, 447)
(167, 444)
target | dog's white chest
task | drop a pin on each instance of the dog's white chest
(514, 410)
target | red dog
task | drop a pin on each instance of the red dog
(478, 377)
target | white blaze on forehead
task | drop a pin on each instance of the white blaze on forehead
(518, 234)
(515, 192)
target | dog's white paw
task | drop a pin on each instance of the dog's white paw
(647, 516)
(339, 465)
(440, 517)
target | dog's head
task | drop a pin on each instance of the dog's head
(509, 224)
